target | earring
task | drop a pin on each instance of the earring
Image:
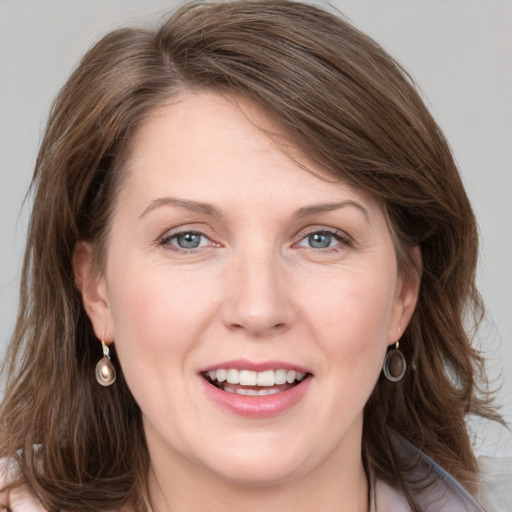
(394, 364)
(105, 371)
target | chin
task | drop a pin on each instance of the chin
(264, 475)
(262, 466)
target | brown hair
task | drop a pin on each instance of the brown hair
(354, 111)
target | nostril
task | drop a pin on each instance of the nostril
(258, 330)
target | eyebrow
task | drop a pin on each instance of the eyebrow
(193, 206)
(306, 211)
(209, 209)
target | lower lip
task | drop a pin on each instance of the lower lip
(257, 406)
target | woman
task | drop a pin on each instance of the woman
(239, 220)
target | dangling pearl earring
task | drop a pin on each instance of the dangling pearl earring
(105, 371)
(394, 364)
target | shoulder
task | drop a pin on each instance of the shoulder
(389, 499)
(438, 491)
(20, 498)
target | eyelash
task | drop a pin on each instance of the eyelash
(341, 237)
(165, 241)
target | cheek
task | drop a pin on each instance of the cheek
(156, 312)
(351, 315)
(159, 321)
(357, 303)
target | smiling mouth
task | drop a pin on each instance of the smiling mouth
(251, 383)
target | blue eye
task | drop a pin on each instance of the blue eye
(321, 240)
(186, 240)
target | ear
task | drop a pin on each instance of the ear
(92, 285)
(406, 296)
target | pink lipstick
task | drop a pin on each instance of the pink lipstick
(255, 389)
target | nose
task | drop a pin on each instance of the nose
(258, 295)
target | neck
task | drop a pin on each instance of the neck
(337, 485)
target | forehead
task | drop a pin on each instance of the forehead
(200, 123)
(213, 147)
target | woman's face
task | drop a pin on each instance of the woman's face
(251, 302)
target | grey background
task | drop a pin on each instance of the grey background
(458, 51)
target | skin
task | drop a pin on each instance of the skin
(254, 289)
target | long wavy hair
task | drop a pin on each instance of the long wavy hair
(352, 110)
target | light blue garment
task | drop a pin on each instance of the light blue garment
(435, 490)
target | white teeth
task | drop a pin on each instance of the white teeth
(290, 376)
(251, 392)
(248, 378)
(233, 376)
(267, 378)
(280, 376)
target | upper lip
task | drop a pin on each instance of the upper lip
(255, 366)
